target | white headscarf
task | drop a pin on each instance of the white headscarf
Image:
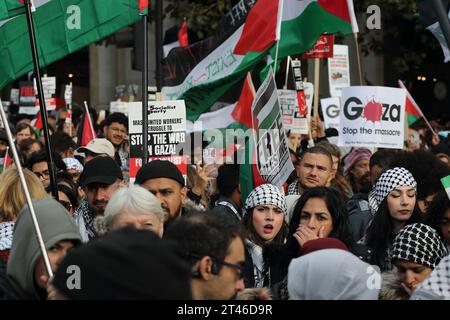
(332, 274)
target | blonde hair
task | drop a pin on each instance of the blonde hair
(12, 196)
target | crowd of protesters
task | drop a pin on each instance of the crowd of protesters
(348, 224)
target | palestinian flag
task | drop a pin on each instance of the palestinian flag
(430, 21)
(175, 38)
(183, 39)
(97, 19)
(446, 183)
(204, 71)
(86, 131)
(413, 111)
(7, 161)
(305, 21)
(236, 120)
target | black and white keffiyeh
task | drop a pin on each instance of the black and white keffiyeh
(266, 194)
(437, 285)
(388, 181)
(419, 243)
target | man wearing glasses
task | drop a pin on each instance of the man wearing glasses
(116, 131)
(213, 246)
(38, 164)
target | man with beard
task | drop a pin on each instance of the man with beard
(357, 170)
(101, 177)
(116, 131)
(165, 181)
(313, 170)
(213, 245)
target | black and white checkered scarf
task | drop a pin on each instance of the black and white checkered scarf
(388, 181)
(437, 285)
(418, 243)
(266, 194)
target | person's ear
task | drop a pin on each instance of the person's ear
(105, 129)
(183, 192)
(205, 267)
(239, 188)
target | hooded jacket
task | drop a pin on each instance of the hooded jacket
(55, 224)
(311, 277)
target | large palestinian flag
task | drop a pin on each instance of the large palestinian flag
(204, 71)
(62, 27)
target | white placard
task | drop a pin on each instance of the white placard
(372, 117)
(330, 110)
(338, 70)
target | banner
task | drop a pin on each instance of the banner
(166, 133)
(296, 66)
(273, 159)
(27, 98)
(338, 70)
(323, 48)
(372, 117)
(330, 110)
(291, 116)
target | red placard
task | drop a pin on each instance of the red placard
(323, 48)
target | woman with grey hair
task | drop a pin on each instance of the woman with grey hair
(135, 206)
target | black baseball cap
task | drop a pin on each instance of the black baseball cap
(159, 169)
(103, 170)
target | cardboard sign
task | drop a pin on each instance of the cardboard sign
(273, 160)
(27, 98)
(14, 97)
(49, 88)
(291, 116)
(338, 70)
(372, 117)
(323, 48)
(166, 133)
(330, 110)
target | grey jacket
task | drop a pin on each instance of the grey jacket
(55, 224)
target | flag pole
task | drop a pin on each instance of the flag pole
(358, 58)
(158, 43)
(278, 33)
(42, 106)
(316, 86)
(145, 87)
(288, 63)
(26, 191)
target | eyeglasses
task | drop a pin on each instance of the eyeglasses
(44, 174)
(66, 205)
(238, 267)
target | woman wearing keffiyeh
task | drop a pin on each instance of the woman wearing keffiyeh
(396, 207)
(416, 251)
(264, 219)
